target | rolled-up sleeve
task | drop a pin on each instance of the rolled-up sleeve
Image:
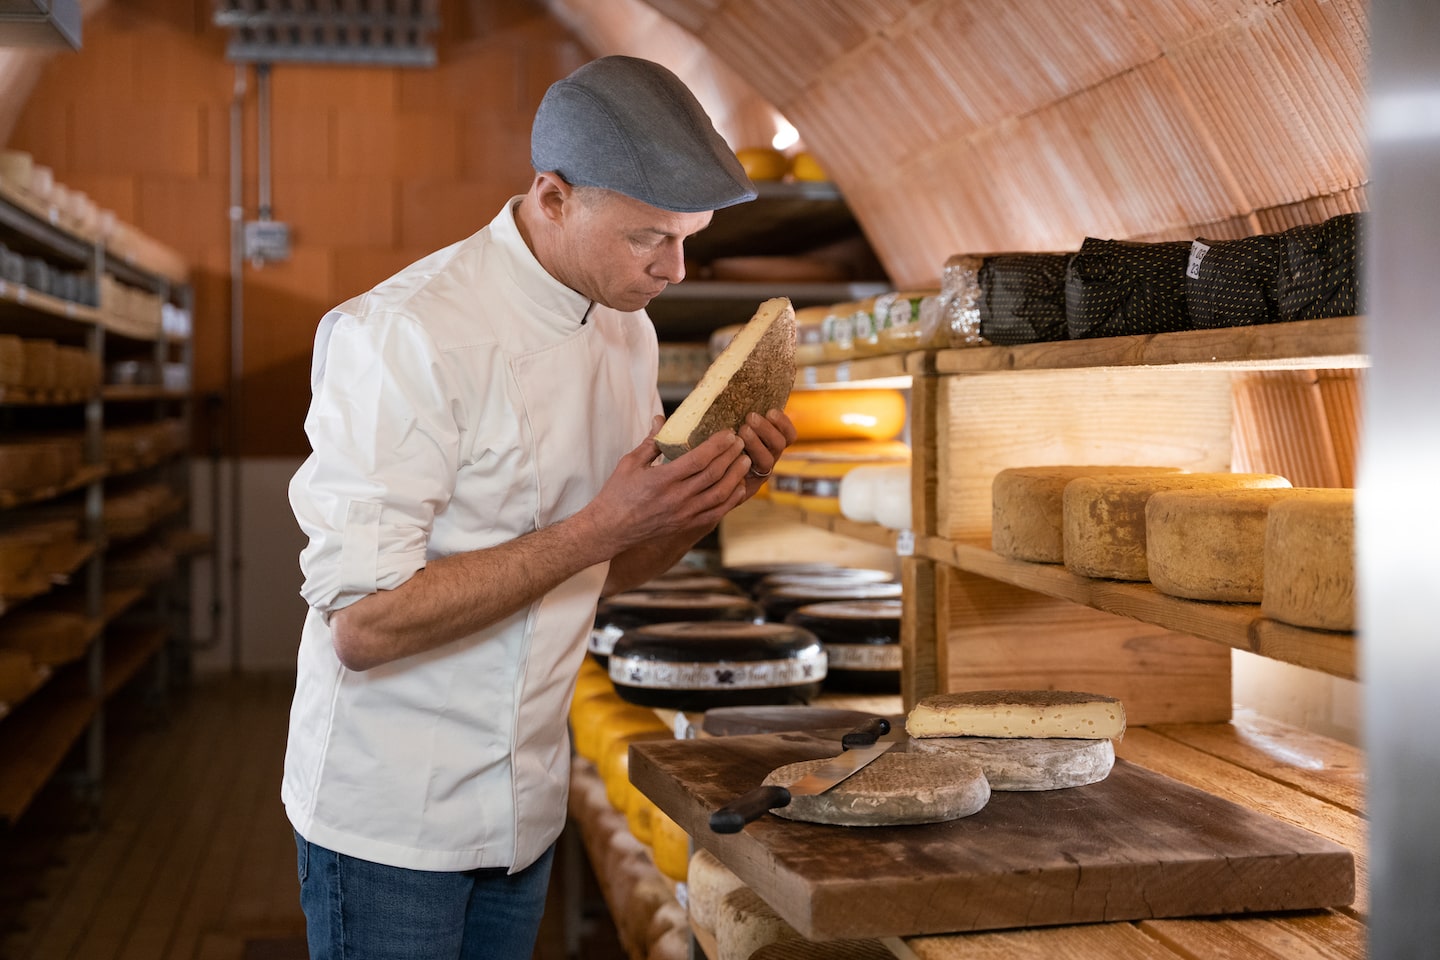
(385, 452)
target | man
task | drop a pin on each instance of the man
(483, 471)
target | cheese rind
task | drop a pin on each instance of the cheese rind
(1310, 560)
(1209, 544)
(1026, 764)
(753, 374)
(1105, 517)
(1018, 713)
(1027, 516)
(894, 788)
(708, 882)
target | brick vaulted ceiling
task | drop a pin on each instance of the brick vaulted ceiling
(985, 125)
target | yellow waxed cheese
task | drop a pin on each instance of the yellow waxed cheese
(1209, 544)
(1027, 517)
(1018, 713)
(1310, 560)
(1105, 517)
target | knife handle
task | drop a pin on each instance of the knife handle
(865, 734)
(732, 817)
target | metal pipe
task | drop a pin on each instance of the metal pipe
(237, 355)
(262, 97)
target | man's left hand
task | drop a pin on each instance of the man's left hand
(765, 439)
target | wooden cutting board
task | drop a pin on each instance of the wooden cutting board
(1134, 846)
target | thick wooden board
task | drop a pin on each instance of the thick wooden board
(1138, 845)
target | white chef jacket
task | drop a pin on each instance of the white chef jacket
(456, 406)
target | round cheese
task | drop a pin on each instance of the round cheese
(1209, 544)
(624, 611)
(1027, 519)
(1310, 560)
(862, 642)
(846, 414)
(695, 666)
(894, 788)
(708, 881)
(1017, 713)
(1023, 764)
(779, 603)
(670, 845)
(1105, 517)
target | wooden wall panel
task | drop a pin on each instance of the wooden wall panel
(1001, 637)
(1301, 424)
(1137, 416)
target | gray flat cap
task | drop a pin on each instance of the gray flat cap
(632, 126)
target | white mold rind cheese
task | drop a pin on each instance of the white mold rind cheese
(1105, 517)
(1310, 560)
(1209, 544)
(1018, 713)
(1025, 764)
(894, 788)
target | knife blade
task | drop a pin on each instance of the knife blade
(861, 746)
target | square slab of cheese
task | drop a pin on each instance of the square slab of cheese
(1018, 713)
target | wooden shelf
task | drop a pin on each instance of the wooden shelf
(1303, 344)
(868, 532)
(889, 369)
(29, 397)
(1238, 625)
(126, 652)
(83, 477)
(17, 298)
(134, 392)
(35, 739)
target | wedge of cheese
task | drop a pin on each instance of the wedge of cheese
(1310, 560)
(753, 374)
(1018, 713)
(1105, 517)
(1027, 516)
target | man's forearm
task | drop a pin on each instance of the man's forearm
(646, 561)
(455, 596)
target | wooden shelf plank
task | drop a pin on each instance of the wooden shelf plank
(83, 477)
(1238, 625)
(868, 532)
(116, 392)
(888, 368)
(126, 652)
(33, 741)
(1304, 344)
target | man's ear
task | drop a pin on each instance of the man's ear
(552, 193)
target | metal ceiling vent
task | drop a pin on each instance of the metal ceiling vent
(377, 33)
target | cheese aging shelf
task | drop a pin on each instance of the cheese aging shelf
(95, 359)
(948, 551)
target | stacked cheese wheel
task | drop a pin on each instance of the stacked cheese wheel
(1224, 537)
(837, 431)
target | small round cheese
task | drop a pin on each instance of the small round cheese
(1027, 508)
(894, 788)
(1209, 544)
(1016, 764)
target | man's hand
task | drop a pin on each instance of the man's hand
(645, 500)
(765, 439)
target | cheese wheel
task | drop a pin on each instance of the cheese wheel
(640, 813)
(596, 730)
(1105, 517)
(1027, 517)
(1209, 544)
(858, 490)
(846, 414)
(1310, 560)
(862, 642)
(1025, 764)
(708, 881)
(892, 499)
(695, 666)
(670, 845)
(1018, 713)
(624, 611)
(744, 923)
(753, 374)
(895, 788)
(779, 603)
(829, 577)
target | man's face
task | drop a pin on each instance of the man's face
(621, 252)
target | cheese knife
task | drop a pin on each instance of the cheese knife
(860, 746)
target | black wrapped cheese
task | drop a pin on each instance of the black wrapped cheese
(1120, 287)
(1022, 297)
(696, 666)
(624, 611)
(862, 642)
(1231, 283)
(779, 602)
(1322, 269)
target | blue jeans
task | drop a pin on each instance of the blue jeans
(358, 910)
